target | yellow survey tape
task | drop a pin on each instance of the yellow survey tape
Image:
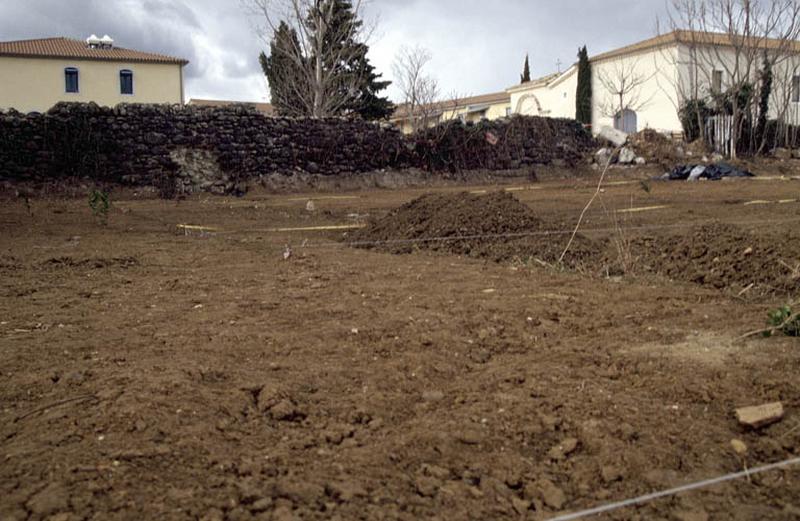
(326, 198)
(195, 228)
(645, 209)
(318, 228)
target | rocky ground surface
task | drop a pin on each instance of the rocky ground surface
(241, 371)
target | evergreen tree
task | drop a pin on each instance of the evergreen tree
(767, 78)
(284, 76)
(347, 83)
(357, 70)
(583, 98)
(526, 71)
(369, 105)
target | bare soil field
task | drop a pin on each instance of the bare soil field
(149, 371)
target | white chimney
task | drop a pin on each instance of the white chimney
(93, 41)
(107, 41)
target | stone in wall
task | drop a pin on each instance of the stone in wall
(199, 171)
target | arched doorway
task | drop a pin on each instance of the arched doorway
(522, 107)
(626, 121)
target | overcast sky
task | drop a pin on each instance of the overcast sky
(478, 45)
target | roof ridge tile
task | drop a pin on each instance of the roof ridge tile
(64, 47)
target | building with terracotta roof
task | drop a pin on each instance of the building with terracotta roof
(642, 85)
(37, 74)
(468, 109)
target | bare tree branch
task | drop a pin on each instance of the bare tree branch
(420, 91)
(735, 38)
(623, 84)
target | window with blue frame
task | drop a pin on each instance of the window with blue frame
(126, 81)
(71, 79)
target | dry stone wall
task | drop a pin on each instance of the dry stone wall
(185, 149)
(506, 144)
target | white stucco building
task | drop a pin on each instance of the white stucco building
(642, 85)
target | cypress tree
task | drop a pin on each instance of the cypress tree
(366, 101)
(526, 71)
(353, 78)
(369, 104)
(767, 79)
(583, 98)
(284, 76)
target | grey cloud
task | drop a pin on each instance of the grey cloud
(175, 10)
(155, 26)
(478, 46)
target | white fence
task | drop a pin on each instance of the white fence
(718, 133)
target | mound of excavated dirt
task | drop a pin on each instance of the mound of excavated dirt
(495, 226)
(725, 256)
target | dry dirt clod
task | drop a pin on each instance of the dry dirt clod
(213, 514)
(299, 492)
(345, 491)
(436, 472)
(739, 447)
(470, 437)
(337, 435)
(433, 396)
(285, 410)
(610, 474)
(427, 486)
(760, 416)
(63, 516)
(553, 496)
(563, 449)
(283, 513)
(520, 505)
(261, 505)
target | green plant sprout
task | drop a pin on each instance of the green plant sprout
(783, 320)
(100, 203)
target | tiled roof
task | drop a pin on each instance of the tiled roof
(695, 38)
(76, 49)
(544, 80)
(459, 103)
(496, 97)
(265, 108)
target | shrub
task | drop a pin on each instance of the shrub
(691, 113)
(783, 320)
(100, 203)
